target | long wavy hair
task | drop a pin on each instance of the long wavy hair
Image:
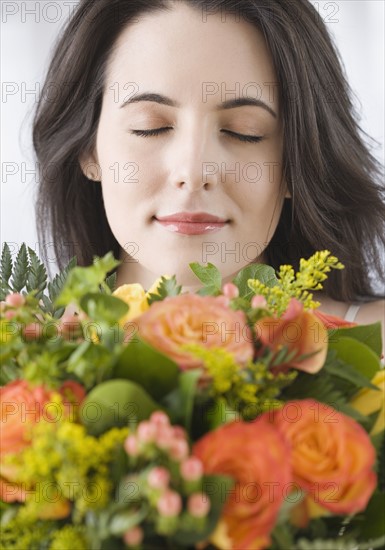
(335, 182)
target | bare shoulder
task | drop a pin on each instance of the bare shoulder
(371, 312)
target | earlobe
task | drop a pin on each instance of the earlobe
(90, 167)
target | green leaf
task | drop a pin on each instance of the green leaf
(81, 280)
(378, 441)
(20, 270)
(111, 281)
(218, 490)
(91, 363)
(54, 289)
(220, 413)
(146, 366)
(361, 531)
(358, 355)
(123, 521)
(37, 276)
(210, 276)
(115, 403)
(347, 372)
(322, 387)
(188, 381)
(5, 271)
(263, 273)
(282, 537)
(338, 544)
(166, 287)
(9, 373)
(111, 543)
(366, 334)
(103, 306)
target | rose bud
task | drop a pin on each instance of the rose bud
(169, 504)
(134, 536)
(15, 299)
(230, 290)
(198, 505)
(158, 478)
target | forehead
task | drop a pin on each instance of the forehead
(183, 52)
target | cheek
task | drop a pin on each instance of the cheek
(259, 176)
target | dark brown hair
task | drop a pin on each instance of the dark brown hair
(337, 199)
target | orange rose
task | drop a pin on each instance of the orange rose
(301, 332)
(190, 318)
(252, 453)
(332, 457)
(22, 407)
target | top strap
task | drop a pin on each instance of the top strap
(352, 312)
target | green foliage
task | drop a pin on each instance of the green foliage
(111, 281)
(130, 381)
(83, 280)
(115, 403)
(338, 544)
(296, 285)
(217, 487)
(146, 366)
(263, 273)
(166, 287)
(28, 275)
(55, 288)
(370, 335)
(24, 534)
(188, 382)
(5, 271)
(90, 363)
(248, 389)
(379, 444)
(20, 270)
(370, 523)
(210, 276)
(103, 307)
(124, 520)
(360, 356)
(324, 388)
(341, 369)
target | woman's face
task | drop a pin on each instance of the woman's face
(196, 62)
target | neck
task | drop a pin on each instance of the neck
(129, 272)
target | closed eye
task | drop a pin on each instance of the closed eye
(158, 131)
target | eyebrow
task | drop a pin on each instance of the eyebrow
(229, 104)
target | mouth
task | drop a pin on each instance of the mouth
(192, 223)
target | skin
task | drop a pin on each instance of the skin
(173, 167)
(189, 167)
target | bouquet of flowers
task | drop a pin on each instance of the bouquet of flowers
(236, 417)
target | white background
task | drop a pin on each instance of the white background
(27, 40)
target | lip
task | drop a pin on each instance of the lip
(192, 223)
(192, 217)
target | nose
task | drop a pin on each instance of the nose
(193, 159)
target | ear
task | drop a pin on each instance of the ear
(287, 194)
(90, 167)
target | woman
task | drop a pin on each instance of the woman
(235, 112)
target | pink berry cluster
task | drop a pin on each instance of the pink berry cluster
(231, 291)
(171, 482)
(68, 326)
(12, 308)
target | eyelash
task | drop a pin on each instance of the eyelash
(158, 131)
